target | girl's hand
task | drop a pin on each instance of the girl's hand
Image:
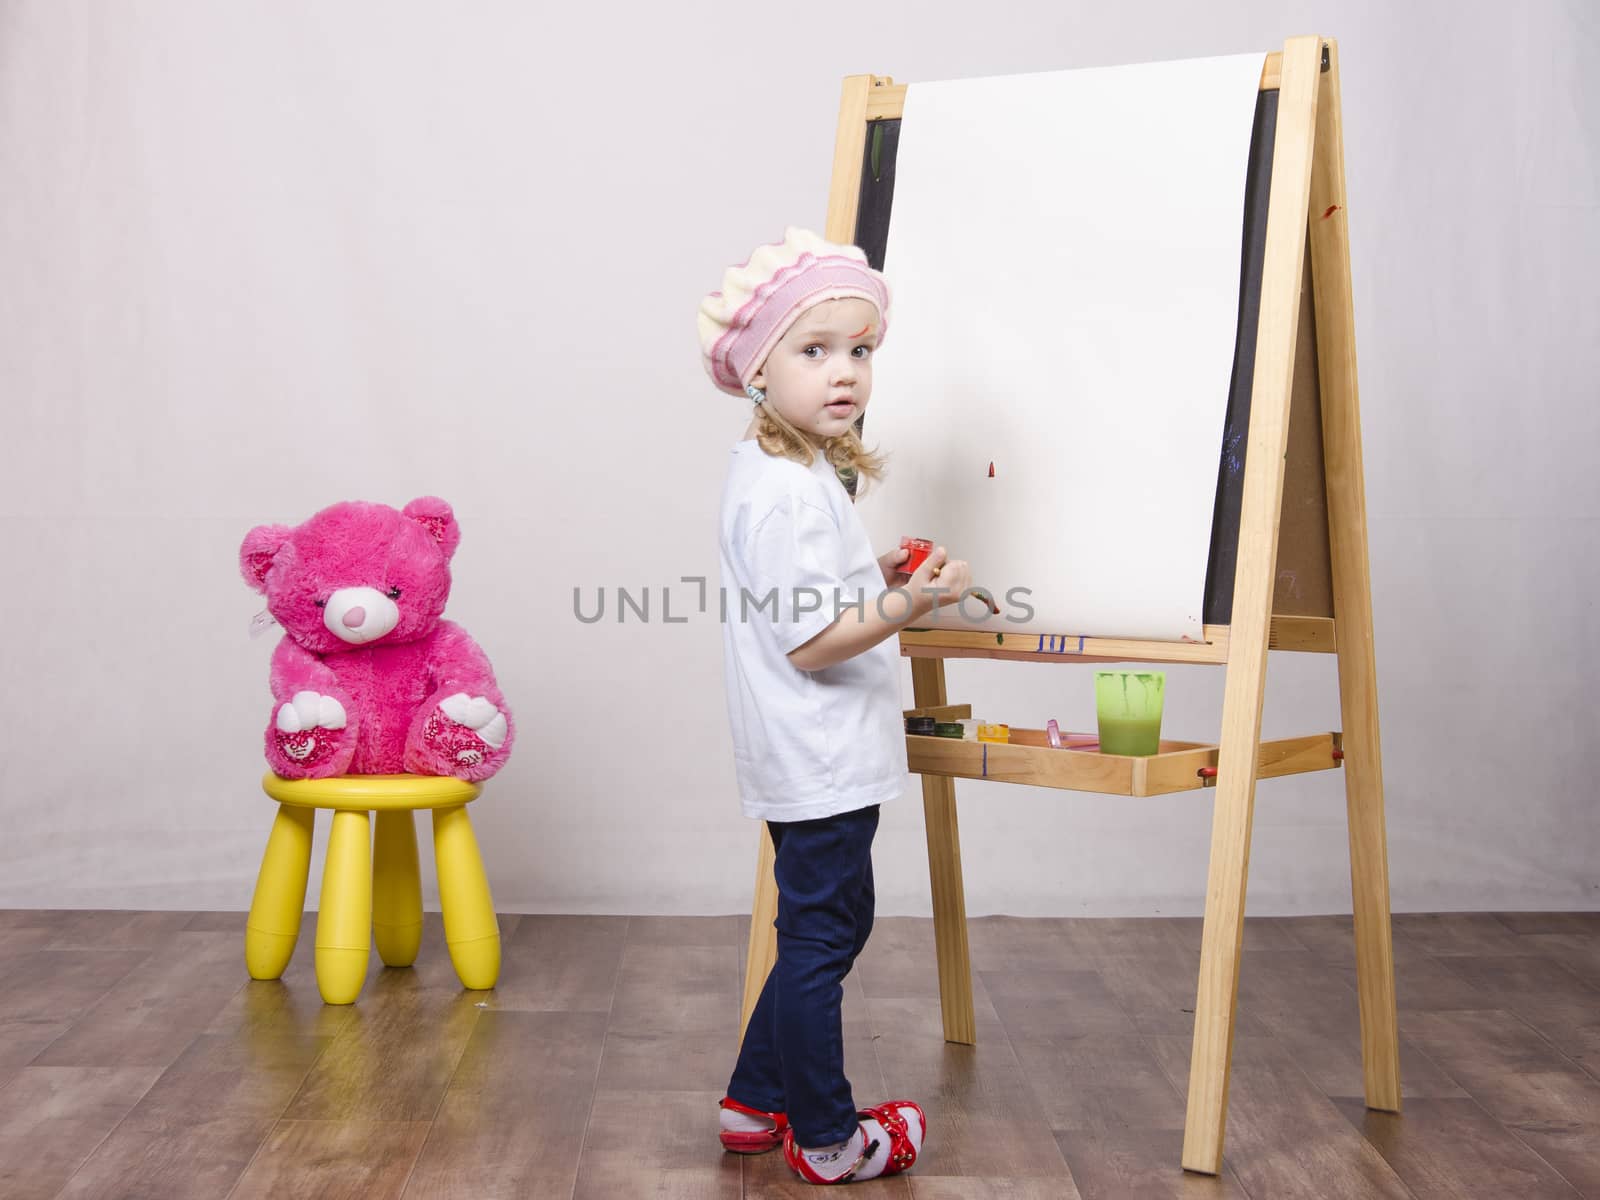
(890, 564)
(951, 576)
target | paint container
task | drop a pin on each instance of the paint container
(921, 726)
(969, 729)
(920, 549)
(994, 733)
(1129, 707)
(949, 729)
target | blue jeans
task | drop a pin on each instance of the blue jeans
(792, 1059)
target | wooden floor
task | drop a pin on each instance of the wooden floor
(137, 1060)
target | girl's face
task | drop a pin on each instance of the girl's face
(819, 375)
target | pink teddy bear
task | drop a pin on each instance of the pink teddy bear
(368, 678)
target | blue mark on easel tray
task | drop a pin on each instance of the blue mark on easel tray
(1058, 644)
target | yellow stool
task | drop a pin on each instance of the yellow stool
(371, 892)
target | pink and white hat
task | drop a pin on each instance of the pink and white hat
(762, 297)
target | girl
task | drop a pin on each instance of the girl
(813, 682)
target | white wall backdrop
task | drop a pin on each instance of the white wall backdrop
(259, 257)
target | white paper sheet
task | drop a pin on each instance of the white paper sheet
(1064, 252)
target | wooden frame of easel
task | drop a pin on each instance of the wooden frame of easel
(1306, 205)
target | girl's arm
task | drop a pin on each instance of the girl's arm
(855, 634)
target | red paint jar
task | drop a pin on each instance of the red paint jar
(920, 549)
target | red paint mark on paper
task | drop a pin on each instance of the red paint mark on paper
(991, 470)
(1332, 208)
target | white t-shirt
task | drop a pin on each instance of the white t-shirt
(806, 744)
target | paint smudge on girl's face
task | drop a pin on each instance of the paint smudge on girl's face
(862, 332)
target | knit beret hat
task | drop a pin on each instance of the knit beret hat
(763, 296)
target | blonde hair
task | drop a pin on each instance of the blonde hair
(851, 460)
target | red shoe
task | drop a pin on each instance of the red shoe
(895, 1117)
(754, 1141)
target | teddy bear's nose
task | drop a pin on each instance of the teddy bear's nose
(358, 615)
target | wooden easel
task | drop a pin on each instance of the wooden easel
(1306, 206)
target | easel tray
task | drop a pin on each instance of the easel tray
(1177, 767)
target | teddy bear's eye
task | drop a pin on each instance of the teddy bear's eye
(394, 593)
(320, 603)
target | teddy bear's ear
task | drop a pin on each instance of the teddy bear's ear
(257, 551)
(434, 515)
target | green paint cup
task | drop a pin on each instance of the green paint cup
(1129, 707)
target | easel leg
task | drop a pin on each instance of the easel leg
(1369, 881)
(944, 875)
(1352, 601)
(1217, 994)
(762, 950)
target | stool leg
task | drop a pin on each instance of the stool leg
(470, 928)
(344, 926)
(396, 889)
(280, 899)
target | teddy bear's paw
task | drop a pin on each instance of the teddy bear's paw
(461, 734)
(299, 725)
(478, 714)
(309, 710)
